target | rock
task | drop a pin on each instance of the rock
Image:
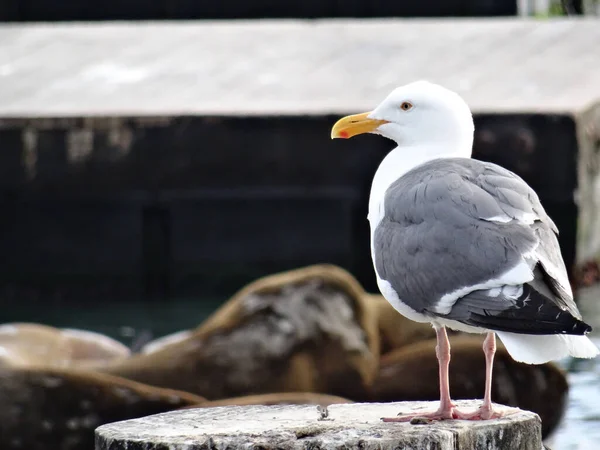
(307, 330)
(411, 373)
(58, 409)
(30, 344)
(355, 425)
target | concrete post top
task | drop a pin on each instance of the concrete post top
(355, 425)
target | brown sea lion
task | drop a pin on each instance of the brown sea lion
(25, 344)
(395, 330)
(165, 341)
(277, 398)
(411, 373)
(307, 330)
(58, 409)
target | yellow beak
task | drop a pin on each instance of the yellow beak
(350, 126)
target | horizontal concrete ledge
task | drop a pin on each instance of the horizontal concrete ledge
(356, 425)
(293, 67)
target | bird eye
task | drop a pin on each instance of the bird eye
(406, 106)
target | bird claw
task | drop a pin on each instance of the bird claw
(423, 417)
(451, 413)
(483, 413)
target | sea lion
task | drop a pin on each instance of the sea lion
(395, 330)
(26, 344)
(411, 373)
(165, 341)
(306, 330)
(58, 409)
(277, 398)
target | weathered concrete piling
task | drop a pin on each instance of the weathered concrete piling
(356, 425)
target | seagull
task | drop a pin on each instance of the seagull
(462, 243)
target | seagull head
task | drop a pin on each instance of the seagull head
(416, 114)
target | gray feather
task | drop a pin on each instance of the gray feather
(434, 238)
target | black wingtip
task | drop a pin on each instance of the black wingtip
(532, 313)
(581, 328)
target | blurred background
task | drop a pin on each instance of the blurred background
(158, 156)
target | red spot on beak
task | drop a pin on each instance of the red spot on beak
(344, 134)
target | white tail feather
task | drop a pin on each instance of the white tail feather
(539, 349)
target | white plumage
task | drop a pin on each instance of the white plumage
(539, 349)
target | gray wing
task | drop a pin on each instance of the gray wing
(452, 231)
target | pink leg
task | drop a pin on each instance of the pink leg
(489, 349)
(446, 409)
(486, 410)
(442, 351)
